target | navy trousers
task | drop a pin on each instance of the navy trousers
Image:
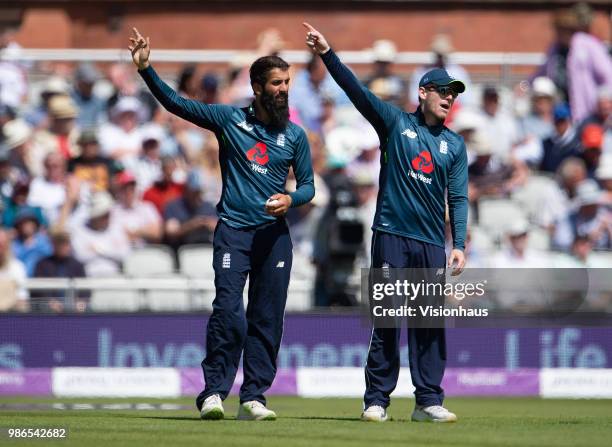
(264, 254)
(426, 346)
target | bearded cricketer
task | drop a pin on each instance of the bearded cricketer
(258, 145)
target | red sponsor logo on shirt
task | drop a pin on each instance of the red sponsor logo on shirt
(423, 163)
(258, 154)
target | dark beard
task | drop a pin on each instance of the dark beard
(277, 108)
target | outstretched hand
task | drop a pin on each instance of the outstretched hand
(315, 40)
(140, 50)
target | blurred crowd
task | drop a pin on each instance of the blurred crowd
(92, 168)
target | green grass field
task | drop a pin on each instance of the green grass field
(324, 422)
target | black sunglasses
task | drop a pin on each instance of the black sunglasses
(443, 90)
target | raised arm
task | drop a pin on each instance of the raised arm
(379, 113)
(208, 116)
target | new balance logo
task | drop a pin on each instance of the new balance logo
(280, 264)
(410, 133)
(227, 261)
(440, 272)
(280, 140)
(246, 126)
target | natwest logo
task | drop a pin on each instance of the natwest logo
(258, 154)
(423, 163)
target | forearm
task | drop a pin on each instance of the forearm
(303, 194)
(168, 98)
(353, 88)
(458, 212)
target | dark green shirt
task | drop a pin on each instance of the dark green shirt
(255, 158)
(420, 165)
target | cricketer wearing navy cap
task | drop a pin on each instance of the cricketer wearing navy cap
(440, 77)
(257, 147)
(422, 163)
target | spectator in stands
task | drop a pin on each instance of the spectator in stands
(139, 219)
(124, 84)
(6, 114)
(49, 191)
(239, 92)
(592, 142)
(563, 144)
(8, 175)
(582, 247)
(18, 202)
(310, 86)
(604, 177)
(189, 219)
(489, 174)
(499, 125)
(578, 63)
(466, 122)
(554, 214)
(304, 220)
(590, 218)
(572, 172)
(603, 111)
(367, 163)
(121, 139)
(38, 117)
(18, 140)
(209, 88)
(211, 170)
(30, 244)
(13, 273)
(61, 136)
(147, 168)
(187, 82)
(382, 76)
(100, 242)
(441, 48)
(92, 109)
(91, 168)
(13, 77)
(540, 122)
(166, 188)
(60, 264)
(517, 254)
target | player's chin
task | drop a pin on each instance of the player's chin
(442, 113)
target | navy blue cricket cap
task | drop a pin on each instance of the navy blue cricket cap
(439, 76)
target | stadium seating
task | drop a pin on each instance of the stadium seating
(196, 261)
(151, 260)
(532, 195)
(495, 215)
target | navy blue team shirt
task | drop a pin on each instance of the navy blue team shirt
(255, 158)
(420, 165)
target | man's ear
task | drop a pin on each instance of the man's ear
(422, 93)
(257, 88)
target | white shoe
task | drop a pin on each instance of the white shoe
(212, 408)
(374, 413)
(254, 410)
(433, 413)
